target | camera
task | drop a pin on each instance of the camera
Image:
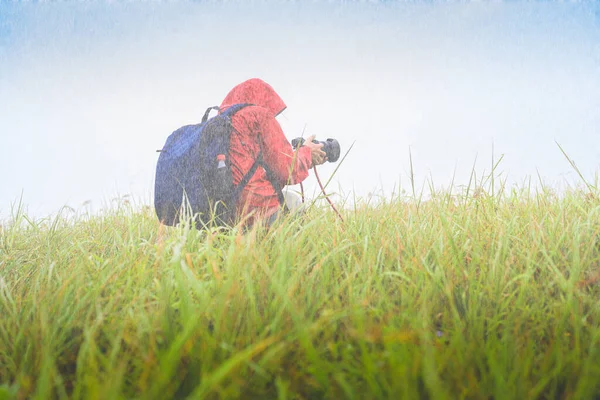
(331, 147)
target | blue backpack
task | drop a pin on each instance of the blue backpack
(193, 173)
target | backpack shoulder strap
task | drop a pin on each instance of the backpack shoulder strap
(258, 162)
(240, 186)
(235, 108)
(270, 176)
(272, 180)
(229, 112)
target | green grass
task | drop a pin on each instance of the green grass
(473, 296)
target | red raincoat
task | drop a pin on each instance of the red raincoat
(256, 128)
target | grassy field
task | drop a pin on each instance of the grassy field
(477, 296)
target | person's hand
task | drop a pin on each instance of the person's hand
(318, 155)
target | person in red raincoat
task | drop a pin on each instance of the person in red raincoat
(256, 130)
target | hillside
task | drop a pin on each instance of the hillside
(477, 296)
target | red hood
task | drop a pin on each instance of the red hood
(257, 92)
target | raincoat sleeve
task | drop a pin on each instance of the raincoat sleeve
(288, 166)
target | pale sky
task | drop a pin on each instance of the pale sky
(89, 91)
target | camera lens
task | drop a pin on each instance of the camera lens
(331, 147)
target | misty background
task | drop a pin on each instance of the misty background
(90, 90)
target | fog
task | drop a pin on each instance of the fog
(89, 91)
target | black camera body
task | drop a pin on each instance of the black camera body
(331, 147)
